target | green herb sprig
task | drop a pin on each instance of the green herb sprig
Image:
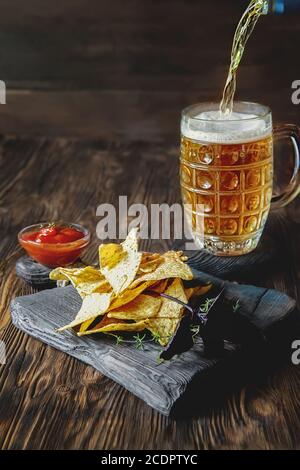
(139, 341)
(236, 306)
(204, 308)
(195, 329)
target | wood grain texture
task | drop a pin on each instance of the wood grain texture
(49, 400)
(160, 385)
(34, 273)
(81, 68)
(120, 77)
(138, 45)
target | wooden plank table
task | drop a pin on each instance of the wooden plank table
(112, 81)
(48, 399)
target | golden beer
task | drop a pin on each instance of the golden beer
(227, 189)
(244, 29)
(226, 163)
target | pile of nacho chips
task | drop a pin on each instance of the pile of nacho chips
(122, 295)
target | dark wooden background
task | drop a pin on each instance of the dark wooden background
(95, 90)
(128, 67)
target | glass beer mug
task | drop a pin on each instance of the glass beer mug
(226, 175)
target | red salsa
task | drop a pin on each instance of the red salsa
(53, 244)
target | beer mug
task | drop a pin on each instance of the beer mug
(226, 174)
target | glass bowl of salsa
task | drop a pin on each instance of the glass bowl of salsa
(54, 244)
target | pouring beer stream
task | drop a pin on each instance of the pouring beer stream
(255, 9)
(226, 164)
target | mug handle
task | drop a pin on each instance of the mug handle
(292, 190)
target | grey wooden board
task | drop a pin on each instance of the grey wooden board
(234, 267)
(34, 273)
(160, 385)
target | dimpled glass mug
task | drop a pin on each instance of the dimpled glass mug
(226, 174)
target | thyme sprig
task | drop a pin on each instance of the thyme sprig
(204, 308)
(139, 341)
(236, 306)
(119, 339)
(156, 337)
(195, 330)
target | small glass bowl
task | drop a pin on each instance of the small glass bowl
(54, 254)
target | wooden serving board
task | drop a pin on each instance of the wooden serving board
(165, 385)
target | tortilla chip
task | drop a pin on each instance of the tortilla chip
(197, 291)
(170, 267)
(85, 325)
(115, 292)
(113, 324)
(142, 307)
(92, 306)
(86, 280)
(121, 275)
(149, 262)
(160, 286)
(123, 299)
(129, 294)
(148, 256)
(110, 255)
(170, 313)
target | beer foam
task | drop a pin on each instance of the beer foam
(236, 128)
